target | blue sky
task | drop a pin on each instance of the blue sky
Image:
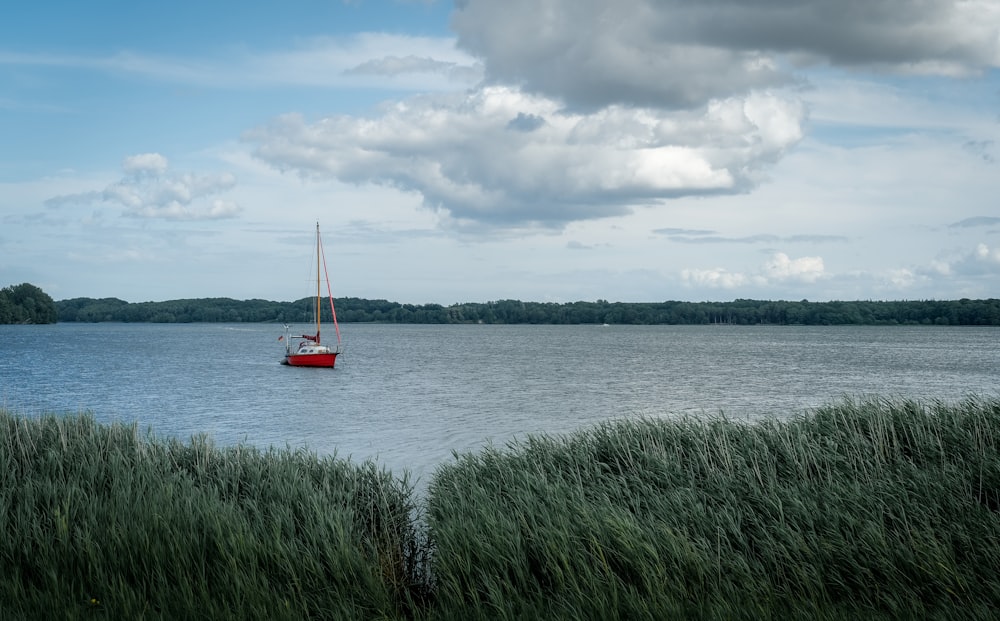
(639, 150)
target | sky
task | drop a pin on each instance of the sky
(475, 150)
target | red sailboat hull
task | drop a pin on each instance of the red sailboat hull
(311, 360)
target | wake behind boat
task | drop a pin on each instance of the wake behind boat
(309, 350)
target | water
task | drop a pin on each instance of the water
(410, 395)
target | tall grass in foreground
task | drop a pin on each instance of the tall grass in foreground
(865, 509)
(102, 521)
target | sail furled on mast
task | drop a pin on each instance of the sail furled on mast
(318, 253)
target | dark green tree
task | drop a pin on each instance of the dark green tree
(26, 303)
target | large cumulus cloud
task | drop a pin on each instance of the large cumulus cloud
(498, 155)
(590, 108)
(678, 53)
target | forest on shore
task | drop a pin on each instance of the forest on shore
(28, 304)
(963, 312)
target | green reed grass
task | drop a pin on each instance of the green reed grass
(103, 520)
(866, 509)
(870, 508)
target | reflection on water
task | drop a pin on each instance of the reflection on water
(411, 394)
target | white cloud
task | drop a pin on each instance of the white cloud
(777, 270)
(985, 254)
(982, 260)
(173, 210)
(367, 60)
(370, 60)
(149, 190)
(901, 278)
(804, 269)
(590, 109)
(502, 157)
(964, 272)
(145, 163)
(714, 278)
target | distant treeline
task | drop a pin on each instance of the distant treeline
(962, 312)
(26, 303)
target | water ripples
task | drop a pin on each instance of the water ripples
(410, 395)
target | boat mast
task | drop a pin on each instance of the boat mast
(333, 311)
(317, 283)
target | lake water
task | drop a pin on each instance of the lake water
(409, 395)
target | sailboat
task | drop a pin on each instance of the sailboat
(309, 350)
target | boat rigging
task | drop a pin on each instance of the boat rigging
(309, 351)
